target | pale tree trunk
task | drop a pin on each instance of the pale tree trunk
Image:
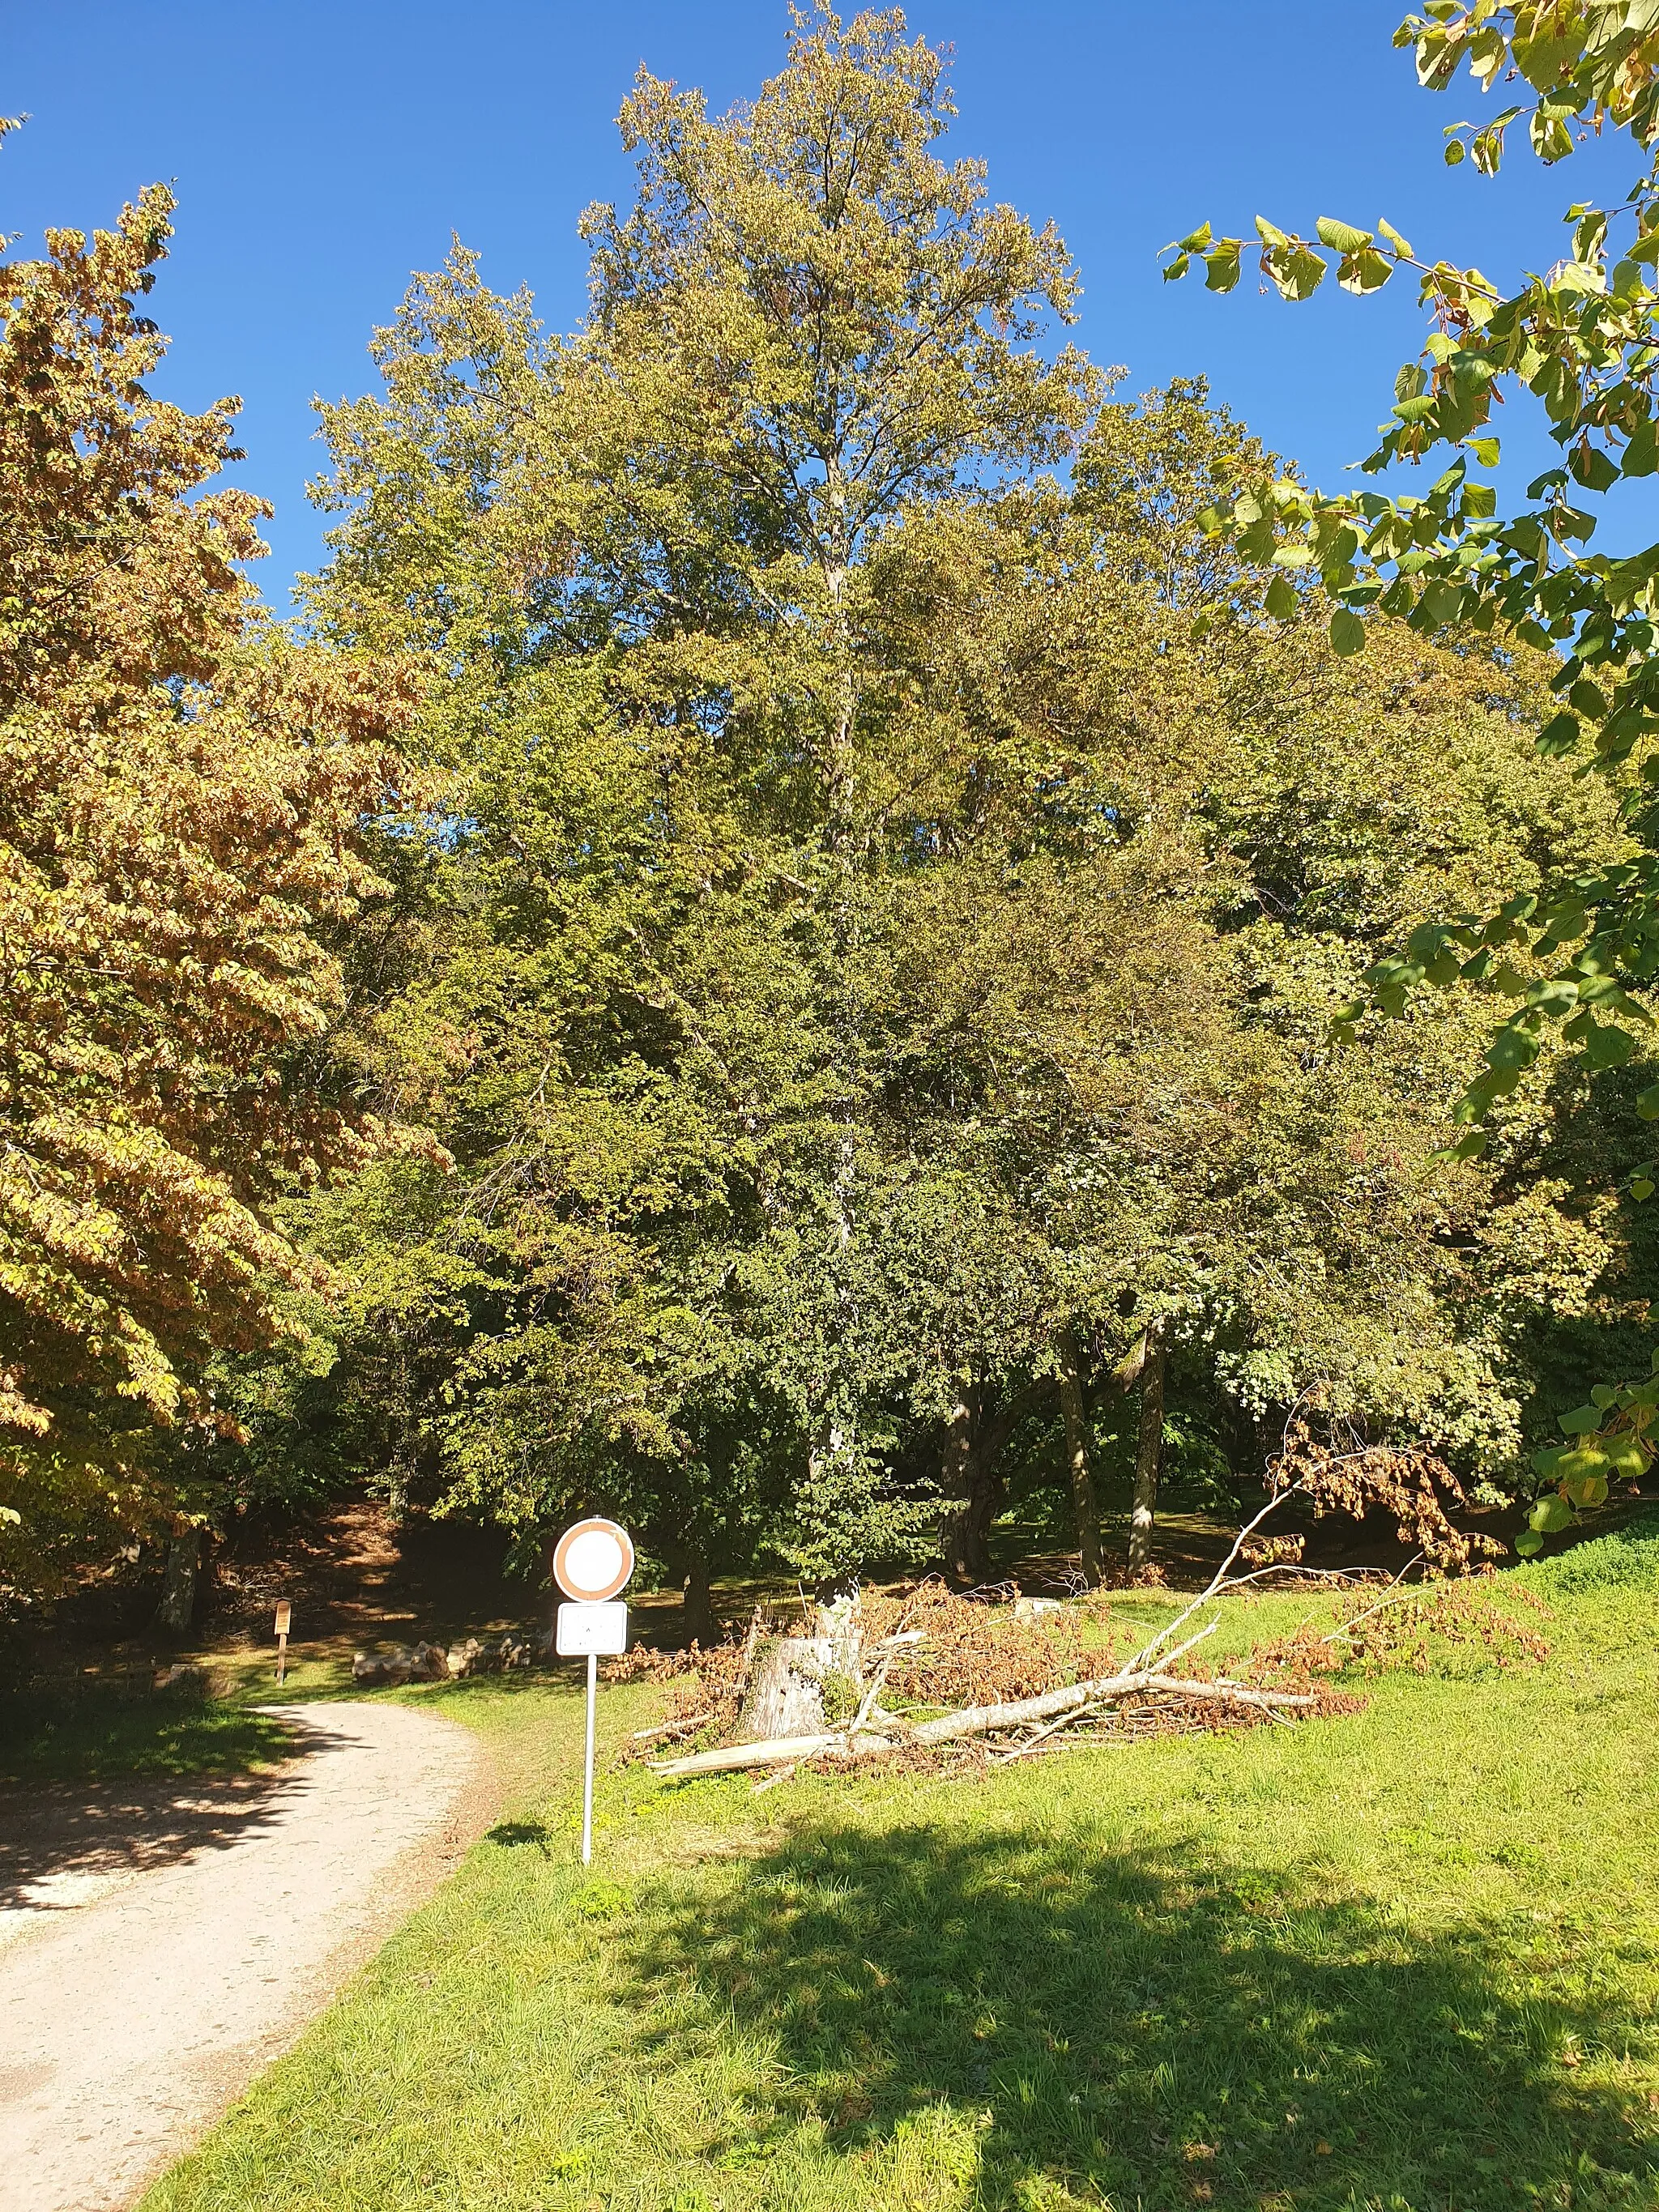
(180, 1575)
(801, 1685)
(1077, 1459)
(1149, 1451)
(837, 1445)
(956, 1481)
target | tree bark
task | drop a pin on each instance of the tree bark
(976, 1439)
(177, 1609)
(697, 1623)
(785, 1693)
(957, 1473)
(1077, 1459)
(1149, 1451)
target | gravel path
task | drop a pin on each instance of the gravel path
(136, 2004)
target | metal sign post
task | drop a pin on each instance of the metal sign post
(284, 1618)
(587, 1761)
(591, 1562)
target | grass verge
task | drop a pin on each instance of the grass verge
(1402, 1962)
(100, 1734)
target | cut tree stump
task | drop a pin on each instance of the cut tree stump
(786, 1681)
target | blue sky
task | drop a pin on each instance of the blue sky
(322, 150)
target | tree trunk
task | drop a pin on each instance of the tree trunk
(1077, 1459)
(697, 1624)
(976, 1439)
(803, 1684)
(177, 1609)
(972, 1448)
(956, 1481)
(1149, 1452)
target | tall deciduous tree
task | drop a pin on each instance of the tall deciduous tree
(182, 797)
(880, 960)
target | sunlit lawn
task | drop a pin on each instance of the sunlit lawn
(1408, 1961)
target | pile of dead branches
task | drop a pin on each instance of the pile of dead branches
(1019, 1678)
(1149, 1688)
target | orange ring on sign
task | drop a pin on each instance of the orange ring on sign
(592, 1560)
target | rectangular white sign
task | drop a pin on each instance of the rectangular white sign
(602, 1629)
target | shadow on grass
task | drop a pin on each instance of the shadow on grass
(1131, 2028)
(511, 1834)
(99, 1735)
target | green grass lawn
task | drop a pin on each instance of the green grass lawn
(96, 1735)
(1407, 1962)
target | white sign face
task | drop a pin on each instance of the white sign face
(600, 1629)
(592, 1560)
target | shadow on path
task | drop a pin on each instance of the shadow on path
(57, 1837)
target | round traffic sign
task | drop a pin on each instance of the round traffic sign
(592, 1560)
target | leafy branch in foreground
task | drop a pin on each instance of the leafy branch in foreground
(1584, 339)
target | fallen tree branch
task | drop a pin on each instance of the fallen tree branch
(1081, 1697)
(672, 1728)
(772, 1781)
(1219, 1576)
(779, 1751)
(1059, 1705)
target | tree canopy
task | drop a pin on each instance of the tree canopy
(183, 793)
(851, 844)
(1580, 949)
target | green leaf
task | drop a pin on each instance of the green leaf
(1347, 632)
(1559, 734)
(1467, 1148)
(1607, 1046)
(1627, 1455)
(1528, 1544)
(1364, 272)
(1511, 1048)
(1487, 451)
(1178, 267)
(1585, 1460)
(1343, 236)
(1592, 467)
(1549, 1515)
(1296, 268)
(1581, 1421)
(1221, 266)
(1281, 597)
(1641, 1188)
(1401, 246)
(1641, 455)
(1587, 1491)
(1647, 1103)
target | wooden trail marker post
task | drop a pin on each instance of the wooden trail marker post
(284, 1617)
(591, 1562)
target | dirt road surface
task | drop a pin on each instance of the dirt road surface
(142, 1988)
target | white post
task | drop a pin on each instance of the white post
(587, 1771)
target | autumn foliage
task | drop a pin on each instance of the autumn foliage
(182, 792)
